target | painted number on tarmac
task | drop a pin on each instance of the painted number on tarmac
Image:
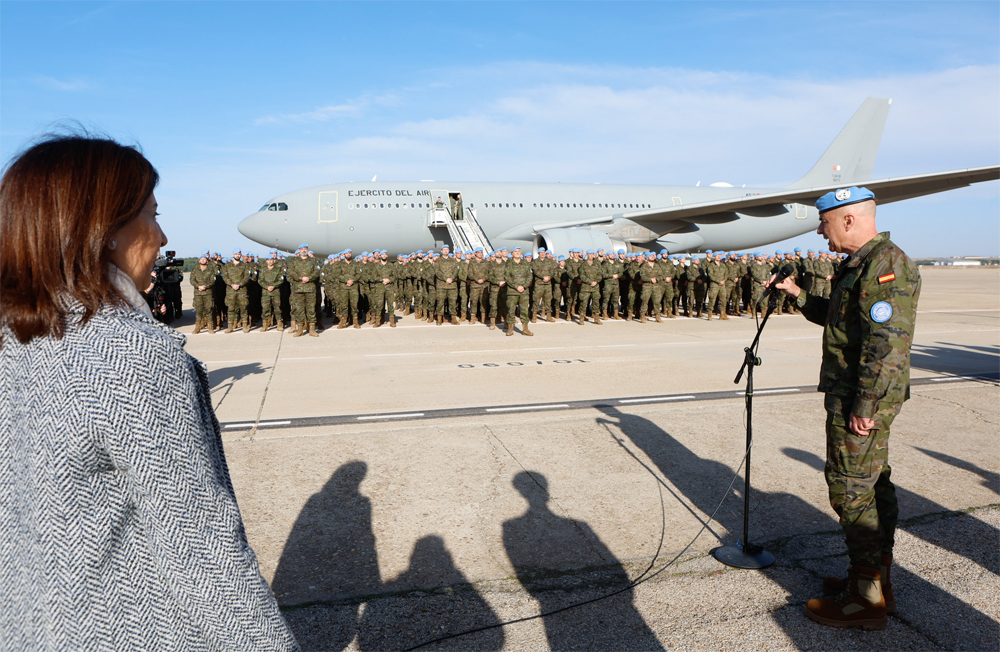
(493, 365)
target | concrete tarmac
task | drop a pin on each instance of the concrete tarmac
(400, 485)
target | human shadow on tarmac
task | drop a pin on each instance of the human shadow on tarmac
(225, 378)
(447, 605)
(547, 551)
(958, 359)
(330, 554)
(991, 480)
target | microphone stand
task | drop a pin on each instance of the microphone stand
(745, 554)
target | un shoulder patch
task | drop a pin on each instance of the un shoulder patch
(881, 312)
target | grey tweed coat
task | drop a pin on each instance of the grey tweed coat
(119, 528)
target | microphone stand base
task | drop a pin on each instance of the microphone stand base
(754, 557)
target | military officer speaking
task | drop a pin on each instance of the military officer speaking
(868, 329)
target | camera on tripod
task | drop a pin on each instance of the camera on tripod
(166, 292)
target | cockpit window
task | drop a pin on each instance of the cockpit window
(282, 206)
(272, 207)
(263, 208)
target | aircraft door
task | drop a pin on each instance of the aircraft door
(328, 208)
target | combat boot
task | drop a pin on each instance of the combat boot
(493, 323)
(583, 319)
(709, 315)
(549, 317)
(392, 320)
(604, 314)
(597, 319)
(406, 311)
(835, 585)
(454, 320)
(642, 318)
(229, 327)
(474, 319)
(860, 604)
(659, 319)
(377, 322)
(525, 330)
(342, 324)
(281, 326)
(439, 320)
(617, 315)
(197, 327)
(724, 317)
(510, 330)
(246, 326)
(265, 326)
(357, 324)
(298, 331)
(312, 331)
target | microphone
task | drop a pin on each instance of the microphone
(783, 273)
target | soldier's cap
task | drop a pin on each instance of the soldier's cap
(591, 251)
(443, 247)
(205, 253)
(664, 251)
(810, 251)
(798, 249)
(331, 256)
(310, 251)
(843, 197)
(757, 253)
(419, 251)
(708, 251)
(561, 258)
(217, 253)
(621, 251)
(272, 251)
(237, 251)
(303, 246)
(249, 253)
(541, 250)
(478, 249)
(347, 251)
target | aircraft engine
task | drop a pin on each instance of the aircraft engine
(560, 241)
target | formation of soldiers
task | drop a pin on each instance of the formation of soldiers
(497, 288)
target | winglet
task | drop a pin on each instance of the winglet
(851, 157)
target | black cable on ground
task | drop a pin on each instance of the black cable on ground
(634, 583)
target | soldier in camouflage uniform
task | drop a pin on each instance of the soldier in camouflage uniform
(718, 280)
(270, 278)
(236, 275)
(591, 275)
(478, 283)
(495, 275)
(517, 277)
(760, 272)
(868, 330)
(695, 290)
(430, 281)
(824, 271)
(384, 290)
(463, 284)
(302, 273)
(446, 282)
(668, 272)
(203, 280)
(614, 269)
(573, 273)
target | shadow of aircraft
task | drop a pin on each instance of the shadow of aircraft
(542, 547)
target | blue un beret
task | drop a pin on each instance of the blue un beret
(303, 246)
(843, 197)
(591, 251)
(237, 250)
(205, 253)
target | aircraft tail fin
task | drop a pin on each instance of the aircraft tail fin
(851, 157)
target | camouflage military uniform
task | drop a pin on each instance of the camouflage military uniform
(573, 273)
(542, 301)
(868, 330)
(463, 288)
(204, 303)
(270, 300)
(668, 272)
(760, 272)
(383, 295)
(236, 300)
(478, 269)
(346, 296)
(590, 272)
(695, 292)
(718, 280)
(611, 296)
(303, 293)
(517, 274)
(495, 275)
(446, 282)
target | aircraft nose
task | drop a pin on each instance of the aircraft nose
(260, 227)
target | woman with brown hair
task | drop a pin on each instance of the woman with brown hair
(119, 527)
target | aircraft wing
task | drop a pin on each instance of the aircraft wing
(886, 191)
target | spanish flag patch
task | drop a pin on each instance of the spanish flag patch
(885, 278)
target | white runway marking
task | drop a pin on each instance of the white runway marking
(259, 425)
(950, 378)
(768, 391)
(411, 415)
(655, 398)
(529, 407)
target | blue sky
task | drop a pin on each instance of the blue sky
(237, 102)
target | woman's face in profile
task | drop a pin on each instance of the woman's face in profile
(138, 243)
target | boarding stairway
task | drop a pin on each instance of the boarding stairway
(465, 232)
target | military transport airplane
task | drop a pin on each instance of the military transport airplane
(406, 216)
